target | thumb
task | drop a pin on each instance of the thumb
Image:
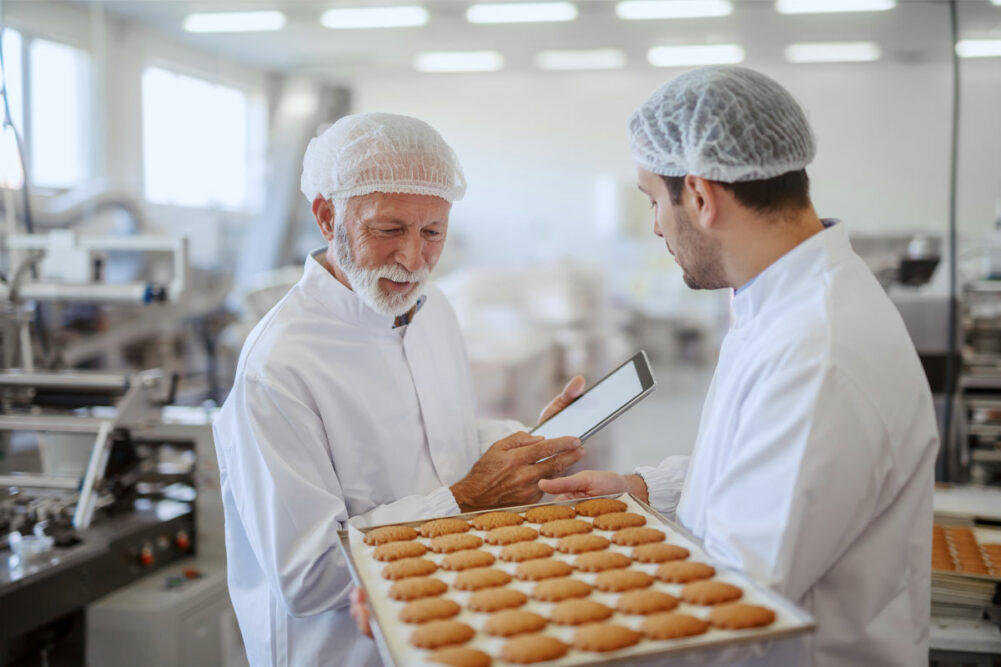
(576, 483)
(574, 388)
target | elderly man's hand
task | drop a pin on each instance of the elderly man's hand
(360, 612)
(570, 393)
(595, 483)
(508, 473)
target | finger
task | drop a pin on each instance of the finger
(519, 439)
(571, 392)
(576, 483)
(547, 448)
(570, 496)
(557, 464)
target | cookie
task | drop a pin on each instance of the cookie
(599, 561)
(710, 593)
(549, 513)
(617, 581)
(492, 520)
(604, 637)
(464, 560)
(429, 609)
(542, 568)
(578, 544)
(533, 648)
(480, 577)
(408, 567)
(460, 656)
(495, 599)
(396, 550)
(684, 571)
(564, 527)
(440, 527)
(631, 537)
(738, 616)
(646, 602)
(618, 520)
(447, 544)
(557, 590)
(441, 633)
(599, 506)
(514, 622)
(522, 551)
(577, 612)
(673, 626)
(659, 552)
(385, 534)
(511, 534)
(417, 587)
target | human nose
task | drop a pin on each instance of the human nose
(410, 254)
(656, 228)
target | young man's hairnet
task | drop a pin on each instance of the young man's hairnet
(722, 123)
(381, 152)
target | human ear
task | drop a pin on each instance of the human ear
(704, 200)
(323, 211)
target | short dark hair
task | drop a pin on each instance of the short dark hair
(771, 195)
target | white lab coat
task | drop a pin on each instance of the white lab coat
(813, 467)
(335, 415)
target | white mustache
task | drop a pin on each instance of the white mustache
(398, 274)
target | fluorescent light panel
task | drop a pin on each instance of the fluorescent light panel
(459, 61)
(589, 59)
(672, 9)
(979, 48)
(690, 56)
(404, 16)
(234, 22)
(832, 6)
(832, 52)
(522, 12)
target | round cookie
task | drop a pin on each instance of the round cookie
(557, 590)
(578, 544)
(599, 506)
(710, 593)
(447, 544)
(511, 534)
(408, 567)
(549, 513)
(465, 560)
(480, 577)
(396, 550)
(617, 581)
(533, 648)
(577, 612)
(618, 520)
(604, 637)
(440, 527)
(495, 599)
(599, 561)
(492, 520)
(684, 571)
(646, 602)
(513, 622)
(441, 633)
(522, 551)
(564, 527)
(738, 616)
(542, 568)
(460, 656)
(417, 587)
(631, 537)
(385, 534)
(659, 552)
(429, 609)
(669, 625)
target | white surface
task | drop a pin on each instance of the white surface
(966, 635)
(971, 501)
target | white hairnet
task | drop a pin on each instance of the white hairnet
(722, 123)
(381, 152)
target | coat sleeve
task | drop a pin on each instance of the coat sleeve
(665, 482)
(489, 431)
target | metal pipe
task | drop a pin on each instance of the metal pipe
(28, 480)
(72, 380)
(86, 293)
(50, 424)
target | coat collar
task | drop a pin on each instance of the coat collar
(325, 288)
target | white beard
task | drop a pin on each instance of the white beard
(365, 282)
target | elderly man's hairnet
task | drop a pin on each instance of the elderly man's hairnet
(381, 152)
(722, 123)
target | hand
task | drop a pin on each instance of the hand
(360, 612)
(595, 483)
(507, 474)
(570, 393)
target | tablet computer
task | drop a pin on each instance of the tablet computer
(603, 402)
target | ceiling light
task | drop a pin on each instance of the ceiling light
(672, 9)
(979, 48)
(589, 59)
(458, 61)
(375, 17)
(522, 12)
(690, 56)
(832, 52)
(234, 22)
(832, 6)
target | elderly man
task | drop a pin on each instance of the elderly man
(813, 466)
(353, 398)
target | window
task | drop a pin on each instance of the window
(14, 79)
(194, 141)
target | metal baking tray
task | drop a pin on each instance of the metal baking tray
(391, 635)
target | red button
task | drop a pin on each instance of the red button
(182, 541)
(146, 556)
